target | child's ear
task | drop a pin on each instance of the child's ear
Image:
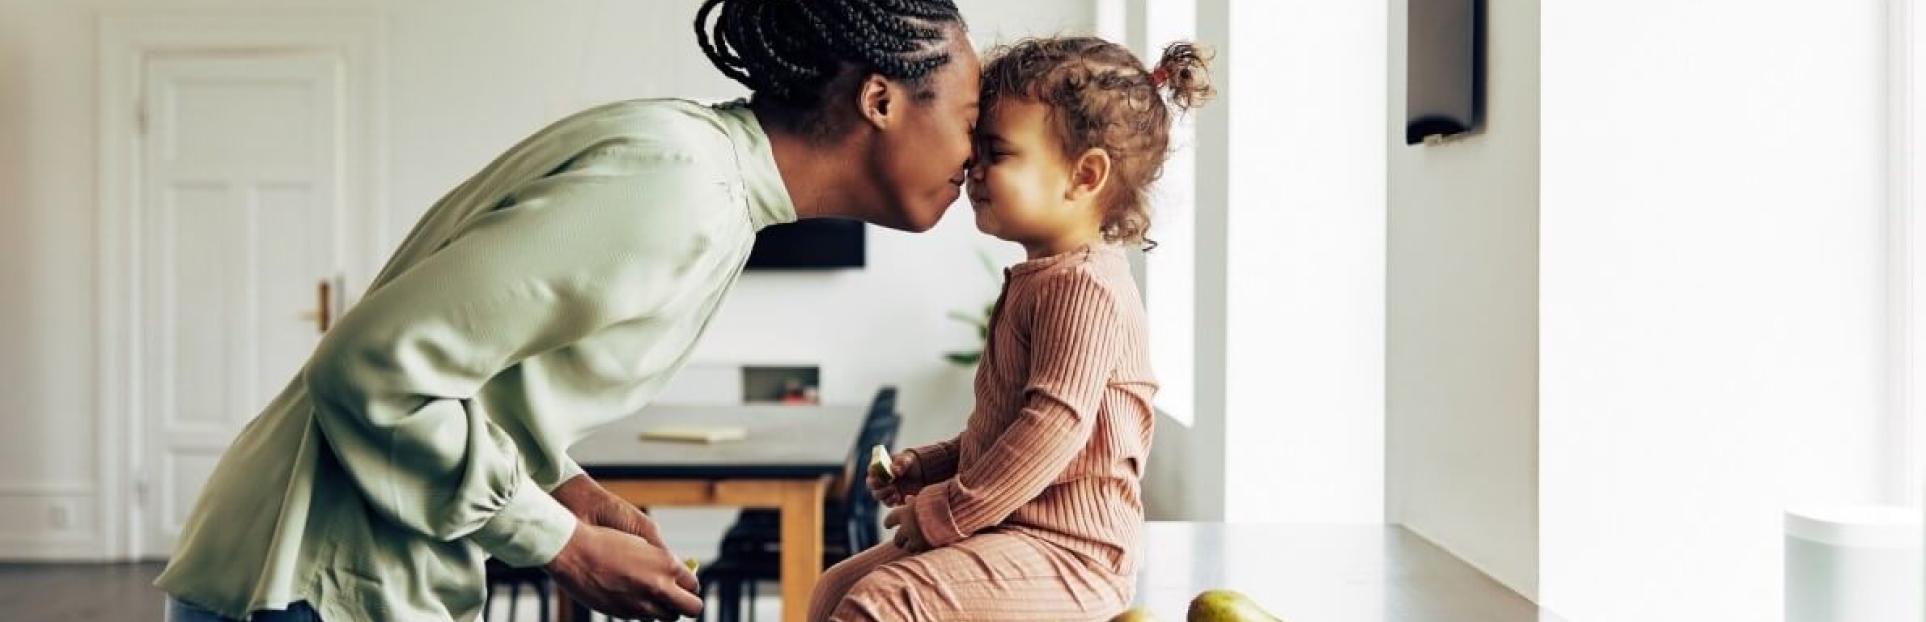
(1089, 173)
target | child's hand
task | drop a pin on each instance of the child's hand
(909, 534)
(886, 490)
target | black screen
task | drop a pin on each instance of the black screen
(809, 244)
(1444, 68)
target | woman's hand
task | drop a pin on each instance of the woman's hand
(909, 535)
(596, 506)
(624, 576)
(886, 490)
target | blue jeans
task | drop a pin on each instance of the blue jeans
(182, 611)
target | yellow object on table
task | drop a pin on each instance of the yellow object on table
(696, 434)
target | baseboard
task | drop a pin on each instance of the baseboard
(49, 521)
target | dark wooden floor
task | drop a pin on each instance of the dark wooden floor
(125, 593)
(80, 592)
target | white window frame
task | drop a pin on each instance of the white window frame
(1903, 474)
(1167, 276)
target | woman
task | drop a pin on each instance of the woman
(554, 292)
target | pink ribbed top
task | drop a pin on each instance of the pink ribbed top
(1057, 443)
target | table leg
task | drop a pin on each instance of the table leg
(802, 545)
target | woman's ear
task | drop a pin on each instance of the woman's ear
(875, 101)
(1089, 173)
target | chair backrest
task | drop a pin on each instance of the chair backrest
(858, 504)
(883, 405)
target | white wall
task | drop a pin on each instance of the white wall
(1186, 475)
(1462, 314)
(1304, 386)
(1711, 250)
(466, 79)
(46, 279)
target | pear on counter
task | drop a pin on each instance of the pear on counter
(1138, 614)
(1227, 606)
(879, 463)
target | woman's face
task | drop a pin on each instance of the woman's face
(922, 159)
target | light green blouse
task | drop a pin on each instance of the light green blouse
(554, 292)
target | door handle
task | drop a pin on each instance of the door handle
(323, 313)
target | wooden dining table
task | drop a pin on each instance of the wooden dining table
(786, 462)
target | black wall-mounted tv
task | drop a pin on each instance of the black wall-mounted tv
(815, 244)
(1444, 68)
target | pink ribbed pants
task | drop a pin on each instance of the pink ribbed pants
(988, 576)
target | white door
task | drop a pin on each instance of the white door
(240, 164)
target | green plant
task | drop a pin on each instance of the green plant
(982, 324)
(980, 320)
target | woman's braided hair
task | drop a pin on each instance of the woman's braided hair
(788, 51)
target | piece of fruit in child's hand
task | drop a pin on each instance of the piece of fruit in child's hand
(691, 563)
(1134, 615)
(879, 463)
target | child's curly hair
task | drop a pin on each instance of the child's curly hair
(1100, 96)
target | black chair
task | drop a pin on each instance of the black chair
(502, 576)
(876, 431)
(751, 550)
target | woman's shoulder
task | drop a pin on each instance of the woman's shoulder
(661, 115)
(673, 129)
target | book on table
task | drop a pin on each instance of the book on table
(696, 434)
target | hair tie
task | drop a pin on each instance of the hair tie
(1158, 77)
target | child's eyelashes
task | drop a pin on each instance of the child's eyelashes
(986, 155)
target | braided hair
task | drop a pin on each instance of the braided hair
(788, 51)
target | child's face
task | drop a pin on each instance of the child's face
(1020, 183)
